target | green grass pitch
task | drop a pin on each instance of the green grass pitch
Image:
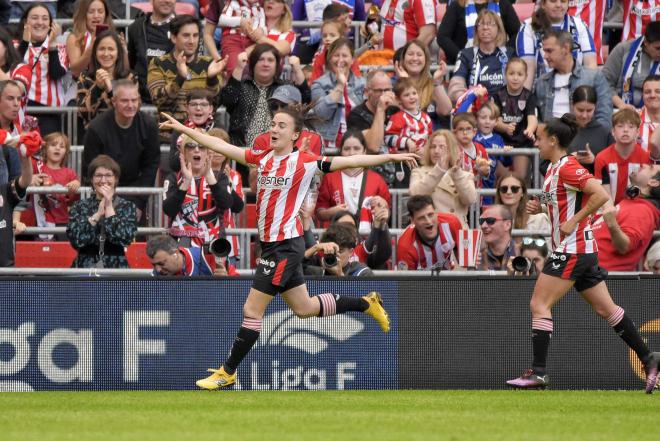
(336, 415)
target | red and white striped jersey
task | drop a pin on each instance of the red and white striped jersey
(403, 126)
(282, 183)
(636, 15)
(562, 194)
(235, 10)
(469, 160)
(646, 129)
(43, 89)
(229, 221)
(288, 36)
(412, 253)
(403, 18)
(592, 12)
(614, 170)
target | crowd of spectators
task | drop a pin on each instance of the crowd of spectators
(394, 93)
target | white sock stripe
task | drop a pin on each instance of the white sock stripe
(329, 304)
(616, 317)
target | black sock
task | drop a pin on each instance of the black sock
(629, 333)
(245, 339)
(540, 343)
(350, 304)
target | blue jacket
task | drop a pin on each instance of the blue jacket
(581, 76)
(330, 112)
(194, 263)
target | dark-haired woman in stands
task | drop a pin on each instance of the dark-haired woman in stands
(571, 195)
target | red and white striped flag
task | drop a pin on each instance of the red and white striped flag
(469, 245)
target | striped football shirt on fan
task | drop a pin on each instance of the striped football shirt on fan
(636, 15)
(592, 13)
(646, 128)
(44, 90)
(403, 18)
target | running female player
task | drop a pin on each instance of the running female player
(571, 195)
(284, 177)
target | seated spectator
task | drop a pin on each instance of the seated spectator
(442, 177)
(239, 20)
(149, 38)
(614, 164)
(652, 262)
(10, 104)
(650, 114)
(517, 105)
(10, 60)
(637, 15)
(485, 62)
(331, 31)
(625, 231)
(429, 240)
(246, 99)
(594, 13)
(95, 85)
(91, 18)
(336, 93)
(129, 137)
(473, 154)
(172, 76)
(102, 226)
(535, 250)
(405, 21)
(592, 138)
(11, 193)
(454, 34)
(333, 254)
(628, 65)
(38, 47)
(200, 114)
(196, 197)
(277, 30)
(554, 88)
(351, 189)
(170, 259)
(52, 210)
(552, 16)
(512, 194)
(498, 247)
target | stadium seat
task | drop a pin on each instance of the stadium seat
(179, 9)
(251, 215)
(524, 10)
(61, 255)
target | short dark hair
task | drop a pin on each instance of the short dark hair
(652, 32)
(418, 202)
(161, 243)
(104, 161)
(402, 84)
(564, 129)
(261, 49)
(180, 21)
(334, 10)
(338, 215)
(585, 93)
(464, 117)
(335, 46)
(199, 94)
(648, 79)
(21, 23)
(342, 234)
(353, 133)
(564, 38)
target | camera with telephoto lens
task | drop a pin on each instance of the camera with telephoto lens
(220, 247)
(522, 264)
(329, 260)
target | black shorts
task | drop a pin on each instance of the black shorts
(279, 268)
(582, 268)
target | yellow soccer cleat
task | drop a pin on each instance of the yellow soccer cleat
(219, 378)
(377, 311)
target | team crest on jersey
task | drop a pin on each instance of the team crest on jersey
(580, 171)
(522, 104)
(547, 197)
(291, 166)
(403, 266)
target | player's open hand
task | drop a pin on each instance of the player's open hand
(410, 159)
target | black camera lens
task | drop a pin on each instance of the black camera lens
(330, 260)
(521, 264)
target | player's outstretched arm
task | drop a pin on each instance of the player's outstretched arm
(355, 161)
(211, 142)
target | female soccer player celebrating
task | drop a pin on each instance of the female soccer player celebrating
(571, 195)
(284, 177)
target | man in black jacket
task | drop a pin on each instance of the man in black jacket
(128, 136)
(148, 37)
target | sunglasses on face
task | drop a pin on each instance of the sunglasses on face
(274, 106)
(489, 220)
(191, 146)
(536, 241)
(514, 189)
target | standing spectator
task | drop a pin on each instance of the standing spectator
(650, 113)
(336, 93)
(91, 18)
(408, 20)
(474, 157)
(629, 64)
(592, 13)
(239, 20)
(518, 121)
(625, 231)
(457, 30)
(487, 117)
(10, 104)
(331, 31)
(485, 62)
(498, 245)
(652, 262)
(149, 38)
(108, 65)
(277, 30)
(128, 136)
(37, 33)
(637, 15)
(554, 88)
(246, 99)
(351, 189)
(442, 177)
(429, 240)
(172, 76)
(615, 164)
(512, 193)
(592, 137)
(102, 226)
(553, 15)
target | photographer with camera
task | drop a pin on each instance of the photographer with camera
(332, 255)
(169, 259)
(530, 261)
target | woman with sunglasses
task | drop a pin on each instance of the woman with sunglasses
(196, 197)
(571, 196)
(512, 193)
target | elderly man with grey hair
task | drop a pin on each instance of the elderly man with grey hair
(498, 246)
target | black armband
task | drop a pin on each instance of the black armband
(324, 164)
